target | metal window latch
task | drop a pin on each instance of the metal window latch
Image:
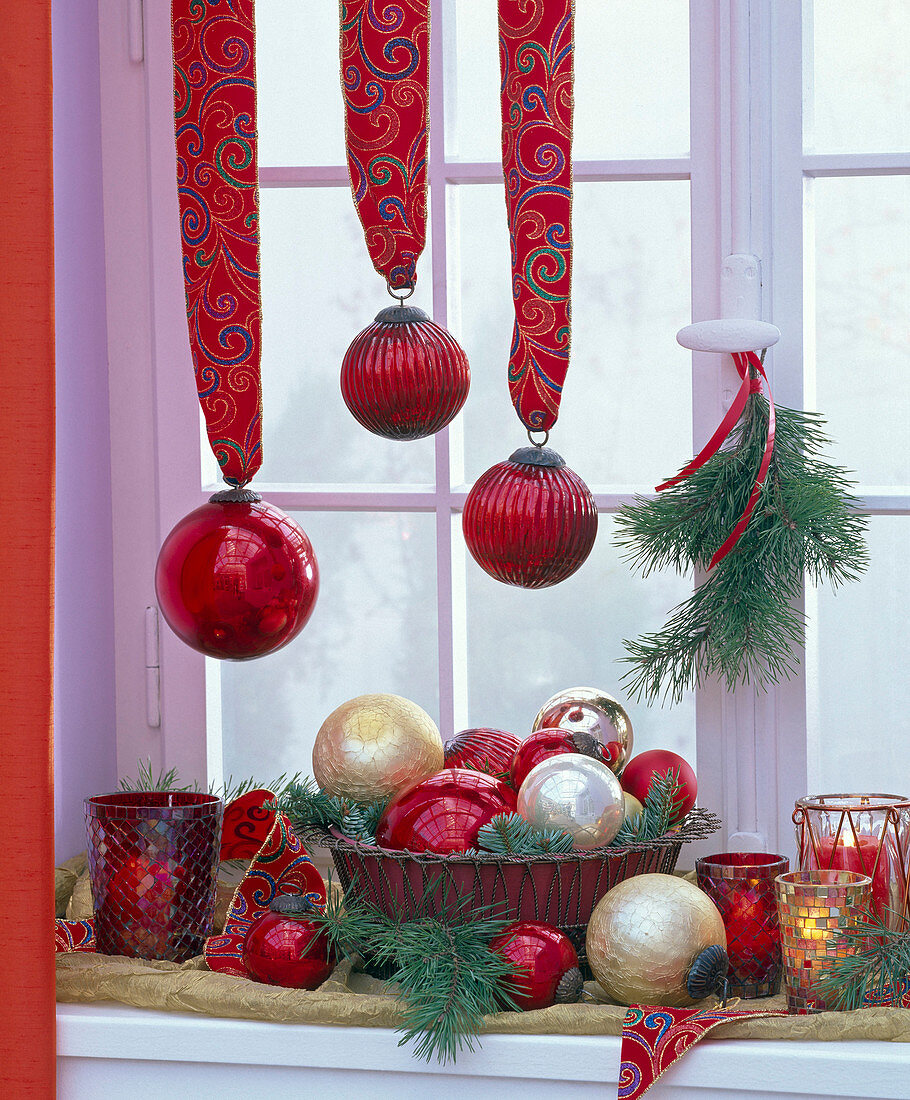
(152, 669)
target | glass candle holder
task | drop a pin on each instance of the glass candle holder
(812, 906)
(741, 885)
(865, 833)
(153, 860)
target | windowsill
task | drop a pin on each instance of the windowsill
(114, 1050)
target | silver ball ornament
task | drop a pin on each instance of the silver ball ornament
(574, 793)
(594, 712)
(649, 941)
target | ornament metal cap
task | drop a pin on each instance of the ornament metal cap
(707, 973)
(568, 991)
(292, 905)
(235, 496)
(400, 315)
(537, 456)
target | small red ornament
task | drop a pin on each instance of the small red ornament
(443, 813)
(530, 521)
(404, 377)
(283, 947)
(546, 961)
(483, 750)
(237, 578)
(551, 742)
(641, 770)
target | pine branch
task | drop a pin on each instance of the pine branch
(232, 789)
(307, 806)
(146, 780)
(511, 835)
(659, 809)
(877, 965)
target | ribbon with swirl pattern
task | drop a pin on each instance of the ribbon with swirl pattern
(218, 195)
(385, 83)
(536, 45)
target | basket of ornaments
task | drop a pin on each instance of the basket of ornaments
(536, 828)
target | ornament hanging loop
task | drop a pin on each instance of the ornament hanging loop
(396, 292)
(538, 442)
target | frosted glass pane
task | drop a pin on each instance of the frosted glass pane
(861, 80)
(373, 630)
(862, 271)
(631, 79)
(301, 118)
(625, 416)
(524, 646)
(319, 290)
(860, 722)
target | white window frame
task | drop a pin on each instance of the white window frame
(746, 89)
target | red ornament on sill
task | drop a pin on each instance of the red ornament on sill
(443, 813)
(404, 377)
(483, 750)
(530, 521)
(545, 961)
(545, 743)
(237, 578)
(284, 948)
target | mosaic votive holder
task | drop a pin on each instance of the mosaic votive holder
(741, 885)
(812, 906)
(153, 861)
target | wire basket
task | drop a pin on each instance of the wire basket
(560, 888)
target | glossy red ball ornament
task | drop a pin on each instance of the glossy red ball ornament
(638, 774)
(237, 578)
(547, 970)
(283, 947)
(552, 742)
(443, 814)
(530, 521)
(482, 750)
(404, 377)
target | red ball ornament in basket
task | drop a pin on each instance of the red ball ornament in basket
(641, 771)
(404, 377)
(530, 521)
(546, 963)
(483, 750)
(284, 948)
(542, 744)
(237, 578)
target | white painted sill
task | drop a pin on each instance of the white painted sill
(113, 1051)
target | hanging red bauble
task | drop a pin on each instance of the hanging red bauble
(404, 377)
(483, 750)
(237, 578)
(551, 742)
(283, 947)
(642, 769)
(530, 521)
(443, 813)
(546, 963)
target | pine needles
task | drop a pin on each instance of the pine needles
(511, 835)
(307, 806)
(876, 969)
(658, 811)
(741, 625)
(169, 780)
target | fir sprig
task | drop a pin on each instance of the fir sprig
(169, 780)
(658, 810)
(511, 835)
(741, 625)
(877, 963)
(306, 805)
(444, 971)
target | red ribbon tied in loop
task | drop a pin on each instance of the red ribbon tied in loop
(385, 82)
(746, 362)
(218, 194)
(536, 46)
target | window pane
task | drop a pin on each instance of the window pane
(373, 630)
(625, 416)
(862, 272)
(860, 94)
(860, 691)
(300, 115)
(524, 646)
(631, 79)
(319, 290)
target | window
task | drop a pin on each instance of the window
(689, 147)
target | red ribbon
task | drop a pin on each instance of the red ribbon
(536, 45)
(385, 82)
(749, 384)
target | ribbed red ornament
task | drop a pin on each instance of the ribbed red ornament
(404, 377)
(482, 750)
(530, 521)
(237, 578)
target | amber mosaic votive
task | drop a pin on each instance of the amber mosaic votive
(812, 906)
(741, 885)
(153, 861)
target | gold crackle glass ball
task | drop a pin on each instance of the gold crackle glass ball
(645, 934)
(574, 793)
(374, 745)
(595, 712)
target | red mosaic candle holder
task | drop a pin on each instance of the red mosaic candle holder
(153, 860)
(741, 885)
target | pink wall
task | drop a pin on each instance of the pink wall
(84, 742)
